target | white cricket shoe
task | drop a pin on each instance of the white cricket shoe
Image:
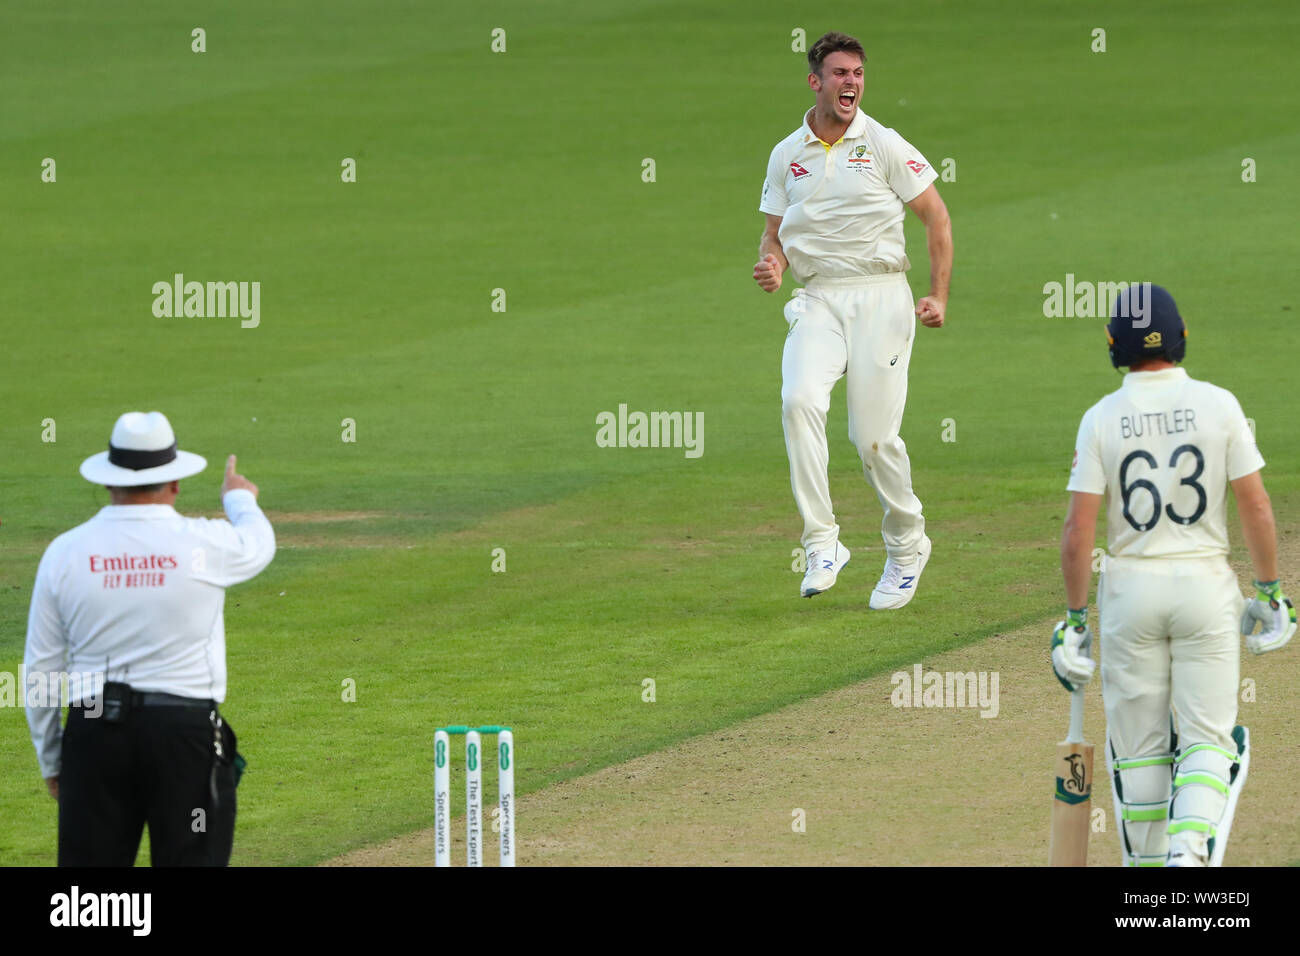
(823, 566)
(898, 583)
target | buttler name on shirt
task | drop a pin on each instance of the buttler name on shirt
(133, 570)
(1157, 423)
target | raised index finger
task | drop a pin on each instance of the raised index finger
(230, 465)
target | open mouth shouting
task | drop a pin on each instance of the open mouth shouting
(848, 99)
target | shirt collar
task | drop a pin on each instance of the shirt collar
(856, 129)
(135, 512)
(1160, 377)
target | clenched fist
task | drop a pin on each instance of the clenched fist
(767, 273)
(930, 311)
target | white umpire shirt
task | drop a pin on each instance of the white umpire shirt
(1165, 446)
(136, 594)
(842, 204)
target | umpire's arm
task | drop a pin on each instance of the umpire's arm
(43, 661)
(241, 548)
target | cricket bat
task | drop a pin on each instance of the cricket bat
(1072, 804)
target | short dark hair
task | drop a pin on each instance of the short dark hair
(144, 489)
(833, 42)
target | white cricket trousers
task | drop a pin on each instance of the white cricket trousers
(1169, 644)
(861, 327)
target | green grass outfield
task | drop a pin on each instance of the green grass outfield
(476, 429)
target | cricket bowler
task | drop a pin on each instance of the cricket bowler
(834, 199)
(1166, 447)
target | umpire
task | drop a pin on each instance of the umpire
(135, 596)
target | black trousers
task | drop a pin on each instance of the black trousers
(157, 767)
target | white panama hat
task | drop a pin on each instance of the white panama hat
(142, 451)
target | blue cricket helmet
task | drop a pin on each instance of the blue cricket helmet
(1145, 324)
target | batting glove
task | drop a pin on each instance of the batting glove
(1274, 613)
(1071, 642)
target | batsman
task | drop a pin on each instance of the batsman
(1165, 448)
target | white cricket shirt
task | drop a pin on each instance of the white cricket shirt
(842, 204)
(1164, 446)
(137, 594)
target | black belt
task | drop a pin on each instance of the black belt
(155, 699)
